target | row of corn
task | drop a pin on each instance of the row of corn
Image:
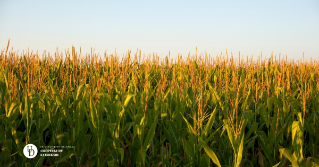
(147, 111)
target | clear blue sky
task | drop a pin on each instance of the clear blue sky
(289, 27)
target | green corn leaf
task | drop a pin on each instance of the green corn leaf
(149, 136)
(210, 122)
(9, 164)
(59, 101)
(39, 162)
(263, 142)
(289, 156)
(28, 113)
(211, 136)
(168, 135)
(189, 151)
(6, 150)
(93, 114)
(281, 163)
(210, 152)
(173, 130)
(3, 132)
(297, 139)
(111, 163)
(80, 90)
(240, 151)
(121, 152)
(141, 155)
(128, 98)
(190, 128)
(230, 134)
(253, 128)
(12, 108)
(5, 78)
(204, 160)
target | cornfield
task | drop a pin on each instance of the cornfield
(146, 111)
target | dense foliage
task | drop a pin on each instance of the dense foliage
(198, 111)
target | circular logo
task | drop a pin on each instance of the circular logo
(30, 151)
